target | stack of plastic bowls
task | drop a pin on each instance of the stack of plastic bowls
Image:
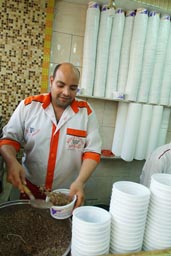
(158, 227)
(128, 207)
(90, 231)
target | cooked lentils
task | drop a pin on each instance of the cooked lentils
(28, 231)
(58, 198)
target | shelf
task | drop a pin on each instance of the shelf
(111, 157)
(120, 100)
(101, 98)
(107, 154)
(133, 4)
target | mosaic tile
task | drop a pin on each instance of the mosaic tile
(22, 37)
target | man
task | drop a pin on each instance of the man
(60, 137)
(158, 162)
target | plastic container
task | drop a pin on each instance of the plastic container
(65, 211)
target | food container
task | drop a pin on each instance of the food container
(26, 230)
(65, 211)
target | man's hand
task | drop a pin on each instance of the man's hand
(16, 175)
(77, 188)
(15, 172)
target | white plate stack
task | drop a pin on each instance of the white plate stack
(128, 207)
(90, 231)
(158, 226)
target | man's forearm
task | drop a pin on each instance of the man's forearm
(8, 153)
(87, 168)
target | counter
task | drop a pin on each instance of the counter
(165, 252)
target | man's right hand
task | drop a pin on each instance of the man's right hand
(16, 175)
(15, 171)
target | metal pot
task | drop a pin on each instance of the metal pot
(15, 205)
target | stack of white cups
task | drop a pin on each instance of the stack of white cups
(158, 226)
(90, 231)
(128, 207)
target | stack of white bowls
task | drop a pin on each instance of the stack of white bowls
(128, 207)
(158, 226)
(90, 231)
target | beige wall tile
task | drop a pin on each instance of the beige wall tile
(70, 18)
(61, 47)
(98, 106)
(80, 69)
(51, 68)
(110, 111)
(98, 190)
(99, 186)
(77, 50)
(107, 136)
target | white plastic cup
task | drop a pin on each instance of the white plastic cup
(65, 211)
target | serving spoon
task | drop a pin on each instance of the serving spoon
(37, 203)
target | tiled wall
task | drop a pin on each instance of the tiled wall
(68, 34)
(67, 45)
(22, 26)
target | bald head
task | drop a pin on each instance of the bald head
(64, 85)
(68, 67)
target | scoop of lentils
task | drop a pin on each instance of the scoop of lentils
(59, 198)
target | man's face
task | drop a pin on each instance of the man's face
(64, 86)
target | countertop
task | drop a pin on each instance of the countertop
(165, 252)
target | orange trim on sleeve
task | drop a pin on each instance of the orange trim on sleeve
(13, 143)
(92, 155)
(76, 132)
(52, 158)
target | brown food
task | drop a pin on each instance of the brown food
(27, 231)
(59, 198)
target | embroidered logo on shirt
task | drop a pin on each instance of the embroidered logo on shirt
(32, 131)
(75, 142)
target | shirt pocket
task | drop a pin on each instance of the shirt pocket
(75, 139)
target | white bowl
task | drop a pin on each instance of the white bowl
(162, 181)
(87, 250)
(91, 216)
(127, 203)
(131, 190)
(119, 250)
(128, 212)
(160, 203)
(157, 244)
(77, 251)
(90, 246)
(90, 235)
(65, 211)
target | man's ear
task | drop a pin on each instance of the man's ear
(51, 80)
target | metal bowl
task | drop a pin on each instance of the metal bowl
(14, 206)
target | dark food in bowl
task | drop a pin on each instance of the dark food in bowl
(28, 231)
(59, 198)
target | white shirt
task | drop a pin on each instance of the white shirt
(158, 162)
(54, 152)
